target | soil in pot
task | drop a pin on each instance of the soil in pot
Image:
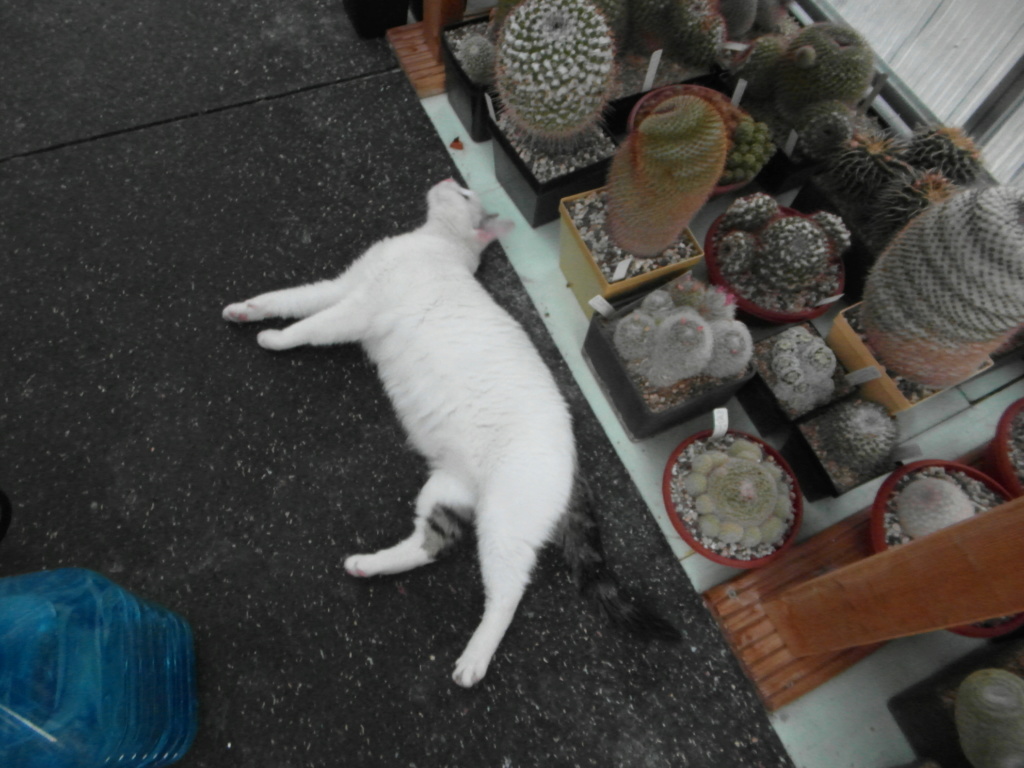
(926, 496)
(733, 499)
(588, 215)
(547, 163)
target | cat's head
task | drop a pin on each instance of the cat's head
(459, 210)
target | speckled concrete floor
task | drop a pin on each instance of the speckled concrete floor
(165, 159)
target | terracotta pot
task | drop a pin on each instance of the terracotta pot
(998, 461)
(751, 308)
(878, 544)
(683, 530)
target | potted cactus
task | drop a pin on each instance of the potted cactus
(733, 499)
(469, 55)
(926, 496)
(554, 74)
(945, 293)
(1004, 456)
(670, 356)
(851, 442)
(989, 716)
(782, 265)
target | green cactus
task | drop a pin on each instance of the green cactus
(861, 167)
(757, 66)
(793, 252)
(752, 147)
(740, 497)
(617, 14)
(750, 213)
(901, 200)
(731, 349)
(823, 127)
(664, 173)
(949, 288)
(947, 150)
(689, 31)
(804, 367)
(860, 434)
(989, 715)
(929, 504)
(476, 54)
(739, 16)
(555, 69)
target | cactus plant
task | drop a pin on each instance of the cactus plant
(901, 200)
(664, 173)
(740, 497)
(476, 54)
(929, 504)
(750, 213)
(949, 288)
(989, 715)
(793, 252)
(690, 31)
(752, 147)
(861, 167)
(739, 16)
(823, 127)
(731, 349)
(555, 68)
(823, 61)
(947, 150)
(804, 367)
(859, 433)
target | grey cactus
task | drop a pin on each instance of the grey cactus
(860, 434)
(989, 714)
(929, 504)
(750, 213)
(477, 55)
(804, 367)
(731, 349)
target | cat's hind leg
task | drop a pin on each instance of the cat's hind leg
(439, 507)
(342, 322)
(300, 301)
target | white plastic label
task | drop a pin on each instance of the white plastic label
(652, 70)
(601, 305)
(791, 141)
(908, 452)
(829, 300)
(863, 375)
(876, 88)
(621, 269)
(721, 417)
(736, 46)
(738, 91)
(490, 106)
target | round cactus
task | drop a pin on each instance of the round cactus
(823, 127)
(476, 54)
(794, 251)
(757, 66)
(739, 16)
(929, 504)
(903, 199)
(634, 336)
(750, 213)
(946, 150)
(664, 173)
(861, 167)
(740, 497)
(859, 433)
(681, 348)
(752, 147)
(731, 349)
(949, 288)
(555, 68)
(989, 715)
(804, 367)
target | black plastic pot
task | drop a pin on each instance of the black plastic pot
(372, 18)
(627, 400)
(5, 515)
(468, 99)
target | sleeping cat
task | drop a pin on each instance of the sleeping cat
(477, 401)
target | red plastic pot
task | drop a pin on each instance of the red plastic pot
(746, 305)
(878, 508)
(683, 530)
(998, 461)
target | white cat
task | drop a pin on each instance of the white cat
(477, 401)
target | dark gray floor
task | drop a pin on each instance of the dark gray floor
(143, 437)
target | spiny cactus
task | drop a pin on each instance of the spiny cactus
(903, 199)
(664, 173)
(823, 127)
(861, 167)
(752, 147)
(750, 213)
(792, 253)
(739, 16)
(989, 715)
(860, 434)
(823, 61)
(929, 504)
(949, 288)
(617, 14)
(690, 31)
(947, 150)
(757, 66)
(555, 68)
(740, 497)
(681, 330)
(476, 54)
(804, 367)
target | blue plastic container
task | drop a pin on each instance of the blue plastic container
(91, 675)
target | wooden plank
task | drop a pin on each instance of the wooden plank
(962, 574)
(422, 68)
(738, 606)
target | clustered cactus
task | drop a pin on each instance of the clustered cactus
(949, 288)
(786, 252)
(555, 68)
(929, 504)
(683, 330)
(860, 434)
(989, 715)
(752, 147)
(664, 173)
(740, 496)
(804, 367)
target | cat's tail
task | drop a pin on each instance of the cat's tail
(581, 547)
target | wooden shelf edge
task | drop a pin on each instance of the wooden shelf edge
(424, 71)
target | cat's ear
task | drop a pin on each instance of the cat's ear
(492, 228)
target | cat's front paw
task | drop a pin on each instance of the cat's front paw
(272, 339)
(470, 669)
(243, 312)
(358, 566)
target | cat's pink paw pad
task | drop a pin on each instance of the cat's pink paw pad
(353, 569)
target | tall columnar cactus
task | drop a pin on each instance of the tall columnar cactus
(860, 434)
(664, 173)
(989, 715)
(949, 288)
(804, 367)
(555, 68)
(740, 497)
(929, 504)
